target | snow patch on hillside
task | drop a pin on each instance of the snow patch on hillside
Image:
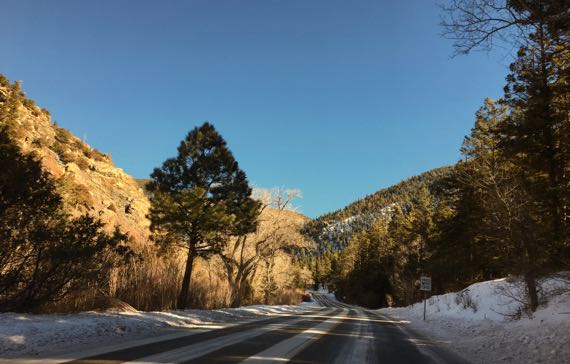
(479, 322)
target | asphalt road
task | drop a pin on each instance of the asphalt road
(332, 333)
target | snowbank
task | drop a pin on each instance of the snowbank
(26, 335)
(480, 322)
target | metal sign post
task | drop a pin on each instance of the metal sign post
(425, 285)
(425, 306)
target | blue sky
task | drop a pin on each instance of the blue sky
(335, 98)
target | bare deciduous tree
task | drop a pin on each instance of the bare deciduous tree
(245, 254)
(478, 24)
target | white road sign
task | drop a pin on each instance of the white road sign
(425, 283)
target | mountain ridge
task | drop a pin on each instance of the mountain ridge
(334, 229)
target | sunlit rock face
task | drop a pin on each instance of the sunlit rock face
(86, 178)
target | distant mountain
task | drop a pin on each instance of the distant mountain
(332, 231)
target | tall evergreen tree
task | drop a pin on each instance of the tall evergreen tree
(513, 228)
(536, 133)
(199, 198)
(532, 144)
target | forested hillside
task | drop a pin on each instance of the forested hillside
(502, 210)
(373, 251)
(334, 230)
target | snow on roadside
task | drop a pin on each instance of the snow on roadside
(477, 323)
(324, 291)
(27, 335)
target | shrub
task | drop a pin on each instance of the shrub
(62, 135)
(4, 81)
(82, 163)
(58, 149)
(93, 153)
(45, 255)
(465, 300)
(29, 103)
(67, 156)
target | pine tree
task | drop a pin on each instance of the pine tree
(510, 229)
(199, 199)
(533, 143)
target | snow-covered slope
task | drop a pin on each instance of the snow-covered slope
(479, 322)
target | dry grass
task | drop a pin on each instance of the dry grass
(79, 301)
(152, 283)
(287, 296)
(148, 282)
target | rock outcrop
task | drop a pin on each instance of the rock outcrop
(87, 179)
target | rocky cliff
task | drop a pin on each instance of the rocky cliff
(87, 178)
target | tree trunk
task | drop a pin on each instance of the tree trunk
(532, 291)
(183, 297)
(235, 299)
(243, 288)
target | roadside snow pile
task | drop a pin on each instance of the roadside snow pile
(30, 335)
(486, 323)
